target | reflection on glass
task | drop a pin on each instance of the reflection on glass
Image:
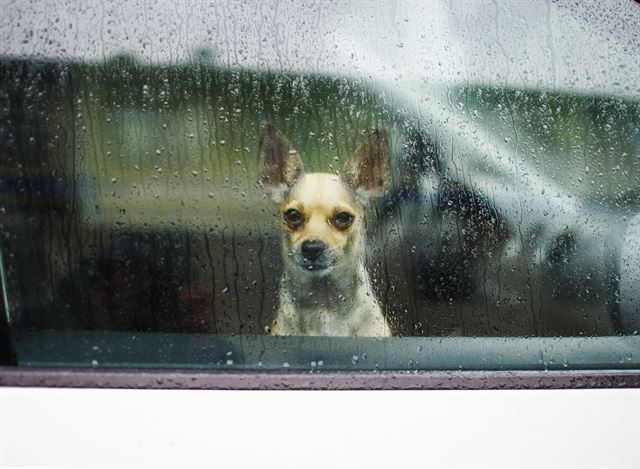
(130, 202)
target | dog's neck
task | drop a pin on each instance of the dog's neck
(331, 290)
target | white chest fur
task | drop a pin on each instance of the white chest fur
(317, 307)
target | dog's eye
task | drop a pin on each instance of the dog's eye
(293, 217)
(342, 220)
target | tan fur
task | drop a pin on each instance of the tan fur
(320, 196)
(337, 299)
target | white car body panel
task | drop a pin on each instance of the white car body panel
(459, 429)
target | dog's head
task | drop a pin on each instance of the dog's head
(322, 213)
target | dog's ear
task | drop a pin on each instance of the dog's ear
(366, 170)
(280, 163)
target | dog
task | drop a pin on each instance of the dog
(325, 288)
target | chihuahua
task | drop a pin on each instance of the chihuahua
(325, 288)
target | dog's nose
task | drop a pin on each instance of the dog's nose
(312, 250)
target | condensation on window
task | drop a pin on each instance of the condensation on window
(133, 196)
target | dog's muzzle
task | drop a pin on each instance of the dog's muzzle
(313, 255)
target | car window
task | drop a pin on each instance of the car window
(161, 205)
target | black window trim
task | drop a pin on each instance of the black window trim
(12, 375)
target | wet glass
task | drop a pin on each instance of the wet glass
(136, 231)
